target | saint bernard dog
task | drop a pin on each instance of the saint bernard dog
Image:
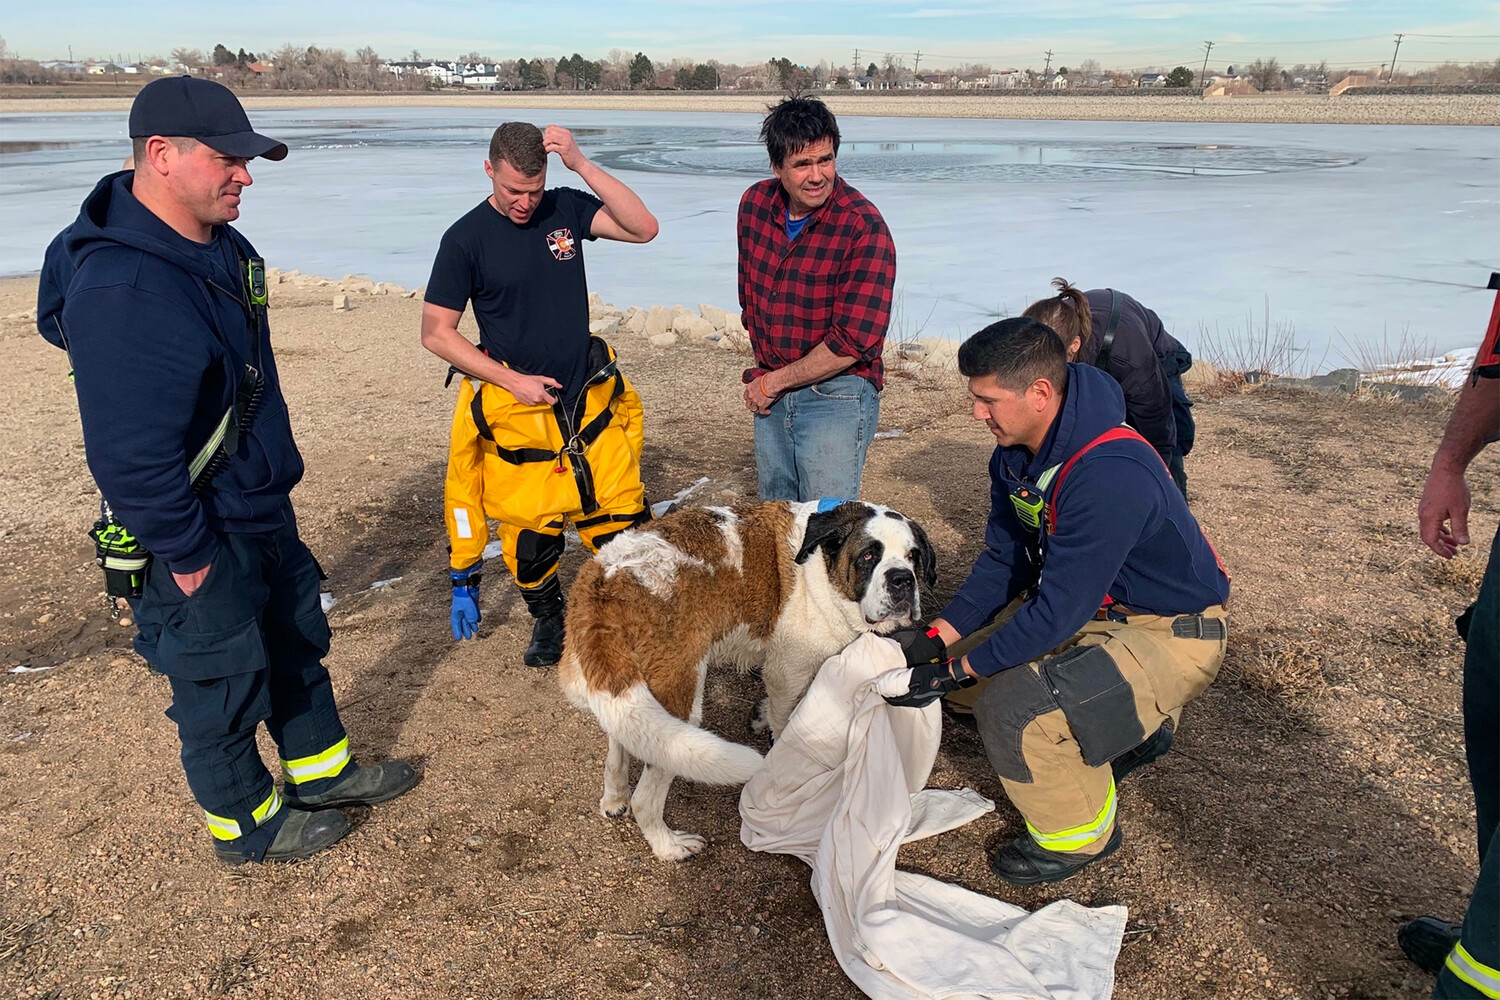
(778, 585)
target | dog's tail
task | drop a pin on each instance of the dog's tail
(640, 722)
(656, 736)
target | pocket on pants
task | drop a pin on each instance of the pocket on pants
(205, 656)
(844, 387)
(1097, 702)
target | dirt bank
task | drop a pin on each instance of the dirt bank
(1316, 797)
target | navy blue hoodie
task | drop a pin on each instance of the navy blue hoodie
(1123, 529)
(159, 332)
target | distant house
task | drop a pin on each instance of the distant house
(1008, 79)
(65, 67)
(1151, 80)
(1056, 82)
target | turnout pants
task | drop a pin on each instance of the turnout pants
(247, 647)
(534, 468)
(1051, 728)
(1473, 967)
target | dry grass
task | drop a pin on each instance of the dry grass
(1269, 348)
(1276, 666)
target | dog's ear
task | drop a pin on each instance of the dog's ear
(831, 529)
(925, 554)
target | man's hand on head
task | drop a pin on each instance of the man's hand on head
(556, 139)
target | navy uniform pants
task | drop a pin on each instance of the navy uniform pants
(1473, 967)
(247, 648)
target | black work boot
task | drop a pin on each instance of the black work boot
(1024, 862)
(365, 786)
(1427, 941)
(1151, 748)
(302, 835)
(546, 641)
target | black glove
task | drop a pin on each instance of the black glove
(930, 681)
(920, 643)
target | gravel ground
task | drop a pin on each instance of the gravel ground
(1316, 796)
(1346, 109)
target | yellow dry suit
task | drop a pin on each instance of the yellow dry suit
(534, 468)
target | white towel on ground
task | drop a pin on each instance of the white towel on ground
(842, 790)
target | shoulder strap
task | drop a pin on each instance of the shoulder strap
(1113, 434)
(1107, 341)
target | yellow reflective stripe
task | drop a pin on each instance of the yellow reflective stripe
(268, 808)
(1478, 975)
(323, 765)
(200, 461)
(221, 828)
(1077, 837)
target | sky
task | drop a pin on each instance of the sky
(1123, 34)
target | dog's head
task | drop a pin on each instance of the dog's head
(876, 558)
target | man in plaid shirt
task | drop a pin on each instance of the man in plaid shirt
(816, 271)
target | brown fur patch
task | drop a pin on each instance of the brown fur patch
(844, 524)
(622, 634)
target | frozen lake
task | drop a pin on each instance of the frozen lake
(1353, 233)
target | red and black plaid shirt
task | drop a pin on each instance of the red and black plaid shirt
(831, 285)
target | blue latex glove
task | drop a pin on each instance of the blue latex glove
(465, 615)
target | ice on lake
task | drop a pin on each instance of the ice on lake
(1344, 234)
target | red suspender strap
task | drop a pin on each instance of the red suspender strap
(1487, 365)
(1123, 432)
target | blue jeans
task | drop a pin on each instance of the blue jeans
(813, 443)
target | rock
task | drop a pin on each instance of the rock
(595, 299)
(381, 288)
(680, 310)
(912, 350)
(605, 311)
(635, 321)
(911, 367)
(1405, 392)
(658, 321)
(736, 326)
(666, 339)
(340, 303)
(1339, 382)
(699, 327)
(604, 327)
(293, 273)
(718, 317)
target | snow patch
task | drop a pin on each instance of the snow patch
(1450, 370)
(378, 584)
(894, 432)
(21, 668)
(329, 601)
(661, 507)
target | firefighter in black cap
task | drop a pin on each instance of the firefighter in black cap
(188, 438)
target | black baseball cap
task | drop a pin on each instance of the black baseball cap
(203, 110)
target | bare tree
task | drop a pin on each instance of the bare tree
(1265, 74)
(189, 59)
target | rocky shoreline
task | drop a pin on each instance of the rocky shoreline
(662, 326)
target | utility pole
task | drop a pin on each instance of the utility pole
(1399, 36)
(1047, 70)
(857, 72)
(916, 62)
(1203, 76)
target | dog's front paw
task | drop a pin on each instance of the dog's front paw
(613, 806)
(677, 845)
(760, 716)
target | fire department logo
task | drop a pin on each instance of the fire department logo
(562, 244)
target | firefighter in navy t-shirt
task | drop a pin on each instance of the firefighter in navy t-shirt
(546, 429)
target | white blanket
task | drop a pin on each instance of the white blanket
(842, 790)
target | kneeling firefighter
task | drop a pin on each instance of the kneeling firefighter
(546, 430)
(1086, 673)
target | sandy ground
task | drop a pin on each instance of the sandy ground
(1315, 799)
(1346, 109)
